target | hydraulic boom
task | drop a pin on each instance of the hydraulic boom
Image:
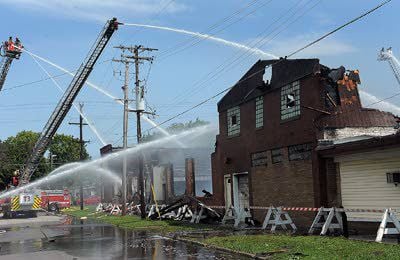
(67, 99)
(387, 55)
(8, 51)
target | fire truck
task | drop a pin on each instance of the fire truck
(55, 199)
(25, 204)
(28, 202)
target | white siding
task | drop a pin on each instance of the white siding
(364, 184)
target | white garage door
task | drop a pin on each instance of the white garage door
(364, 183)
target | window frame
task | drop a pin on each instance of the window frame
(259, 112)
(233, 129)
(304, 152)
(261, 156)
(294, 112)
(280, 149)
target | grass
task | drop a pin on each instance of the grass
(135, 222)
(305, 247)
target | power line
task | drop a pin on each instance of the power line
(44, 79)
(222, 67)
(173, 50)
(291, 54)
(340, 27)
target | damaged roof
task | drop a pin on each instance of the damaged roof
(252, 84)
(358, 145)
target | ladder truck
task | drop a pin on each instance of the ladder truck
(387, 55)
(9, 51)
(55, 120)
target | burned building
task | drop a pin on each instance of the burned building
(270, 123)
(164, 168)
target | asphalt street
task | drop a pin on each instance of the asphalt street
(54, 237)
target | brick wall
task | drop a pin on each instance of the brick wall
(289, 183)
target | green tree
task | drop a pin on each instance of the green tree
(65, 149)
(175, 128)
(16, 149)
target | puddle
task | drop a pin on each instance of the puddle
(86, 239)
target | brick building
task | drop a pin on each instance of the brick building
(270, 124)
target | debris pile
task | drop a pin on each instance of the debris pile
(184, 208)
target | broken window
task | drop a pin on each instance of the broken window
(259, 112)
(259, 159)
(300, 152)
(290, 101)
(331, 95)
(267, 75)
(276, 155)
(233, 119)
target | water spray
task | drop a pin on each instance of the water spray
(163, 131)
(95, 164)
(254, 51)
(384, 105)
(90, 124)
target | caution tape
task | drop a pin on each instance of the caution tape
(217, 207)
(309, 209)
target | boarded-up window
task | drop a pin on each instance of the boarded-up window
(300, 152)
(290, 101)
(276, 155)
(233, 120)
(259, 112)
(259, 159)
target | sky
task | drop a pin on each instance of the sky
(185, 71)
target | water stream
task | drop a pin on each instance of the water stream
(254, 51)
(75, 169)
(90, 124)
(104, 92)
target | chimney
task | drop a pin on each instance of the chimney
(189, 177)
(169, 183)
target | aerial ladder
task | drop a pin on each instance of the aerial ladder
(9, 51)
(66, 101)
(387, 55)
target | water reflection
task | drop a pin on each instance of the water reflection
(98, 241)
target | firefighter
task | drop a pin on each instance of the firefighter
(15, 179)
(18, 43)
(10, 44)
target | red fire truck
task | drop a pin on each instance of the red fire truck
(53, 199)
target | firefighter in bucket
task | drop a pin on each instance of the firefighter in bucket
(12, 49)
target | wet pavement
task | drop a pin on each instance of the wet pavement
(97, 241)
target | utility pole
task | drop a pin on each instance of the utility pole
(82, 145)
(126, 61)
(140, 109)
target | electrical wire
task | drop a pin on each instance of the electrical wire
(259, 71)
(173, 50)
(45, 79)
(223, 66)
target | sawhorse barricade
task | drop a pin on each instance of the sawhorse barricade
(238, 216)
(99, 207)
(203, 213)
(115, 210)
(389, 216)
(277, 217)
(325, 220)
